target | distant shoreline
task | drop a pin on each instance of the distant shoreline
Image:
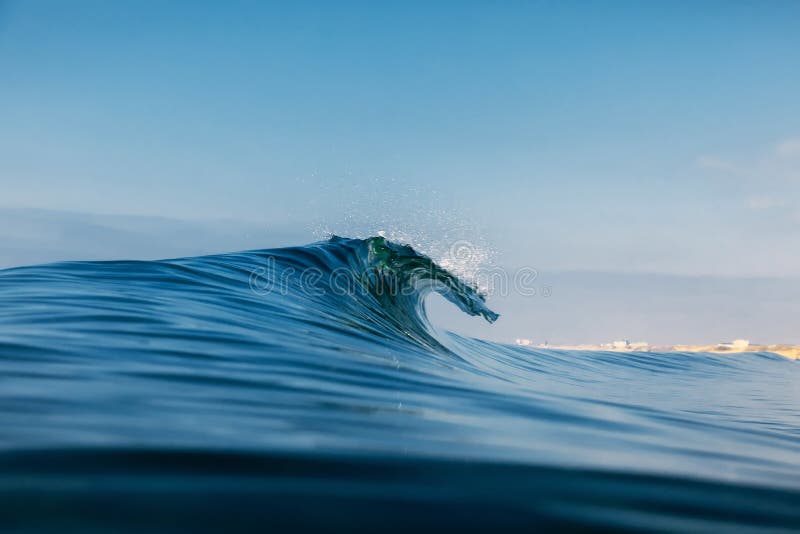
(791, 352)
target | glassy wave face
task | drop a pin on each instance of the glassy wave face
(305, 387)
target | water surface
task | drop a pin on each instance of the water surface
(305, 387)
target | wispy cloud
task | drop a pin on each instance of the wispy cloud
(789, 148)
(771, 162)
(718, 164)
(765, 202)
(767, 180)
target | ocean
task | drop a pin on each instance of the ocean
(305, 388)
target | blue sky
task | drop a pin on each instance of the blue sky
(616, 136)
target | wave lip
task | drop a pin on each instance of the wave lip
(394, 270)
(374, 280)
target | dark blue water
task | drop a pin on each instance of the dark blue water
(305, 387)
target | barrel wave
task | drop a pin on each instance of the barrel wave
(306, 387)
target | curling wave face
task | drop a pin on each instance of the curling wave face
(310, 378)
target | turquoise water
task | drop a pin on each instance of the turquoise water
(305, 387)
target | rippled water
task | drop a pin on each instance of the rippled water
(305, 387)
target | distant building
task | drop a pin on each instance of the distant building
(625, 344)
(736, 344)
(524, 342)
